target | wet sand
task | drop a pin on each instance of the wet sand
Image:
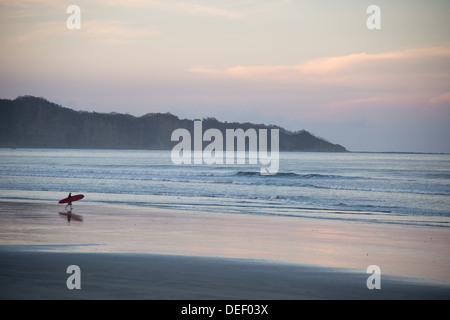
(42, 275)
(145, 253)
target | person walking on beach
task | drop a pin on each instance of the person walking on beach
(69, 204)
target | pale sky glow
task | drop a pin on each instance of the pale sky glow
(301, 64)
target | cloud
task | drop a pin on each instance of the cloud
(187, 7)
(131, 3)
(105, 31)
(195, 8)
(412, 68)
(441, 100)
(28, 3)
(111, 31)
(171, 5)
(355, 86)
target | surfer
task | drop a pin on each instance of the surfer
(69, 204)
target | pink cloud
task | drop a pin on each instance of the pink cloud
(443, 99)
(413, 68)
(360, 85)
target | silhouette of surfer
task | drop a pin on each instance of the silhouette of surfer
(69, 204)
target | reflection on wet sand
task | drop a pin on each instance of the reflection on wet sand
(69, 216)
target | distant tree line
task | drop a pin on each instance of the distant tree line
(32, 122)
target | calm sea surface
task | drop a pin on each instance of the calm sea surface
(411, 189)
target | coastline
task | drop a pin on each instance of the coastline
(129, 252)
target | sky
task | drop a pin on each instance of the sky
(299, 64)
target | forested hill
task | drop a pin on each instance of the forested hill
(31, 122)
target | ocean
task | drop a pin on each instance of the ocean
(411, 189)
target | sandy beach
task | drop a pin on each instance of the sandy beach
(42, 275)
(127, 252)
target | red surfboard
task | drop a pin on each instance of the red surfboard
(73, 198)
